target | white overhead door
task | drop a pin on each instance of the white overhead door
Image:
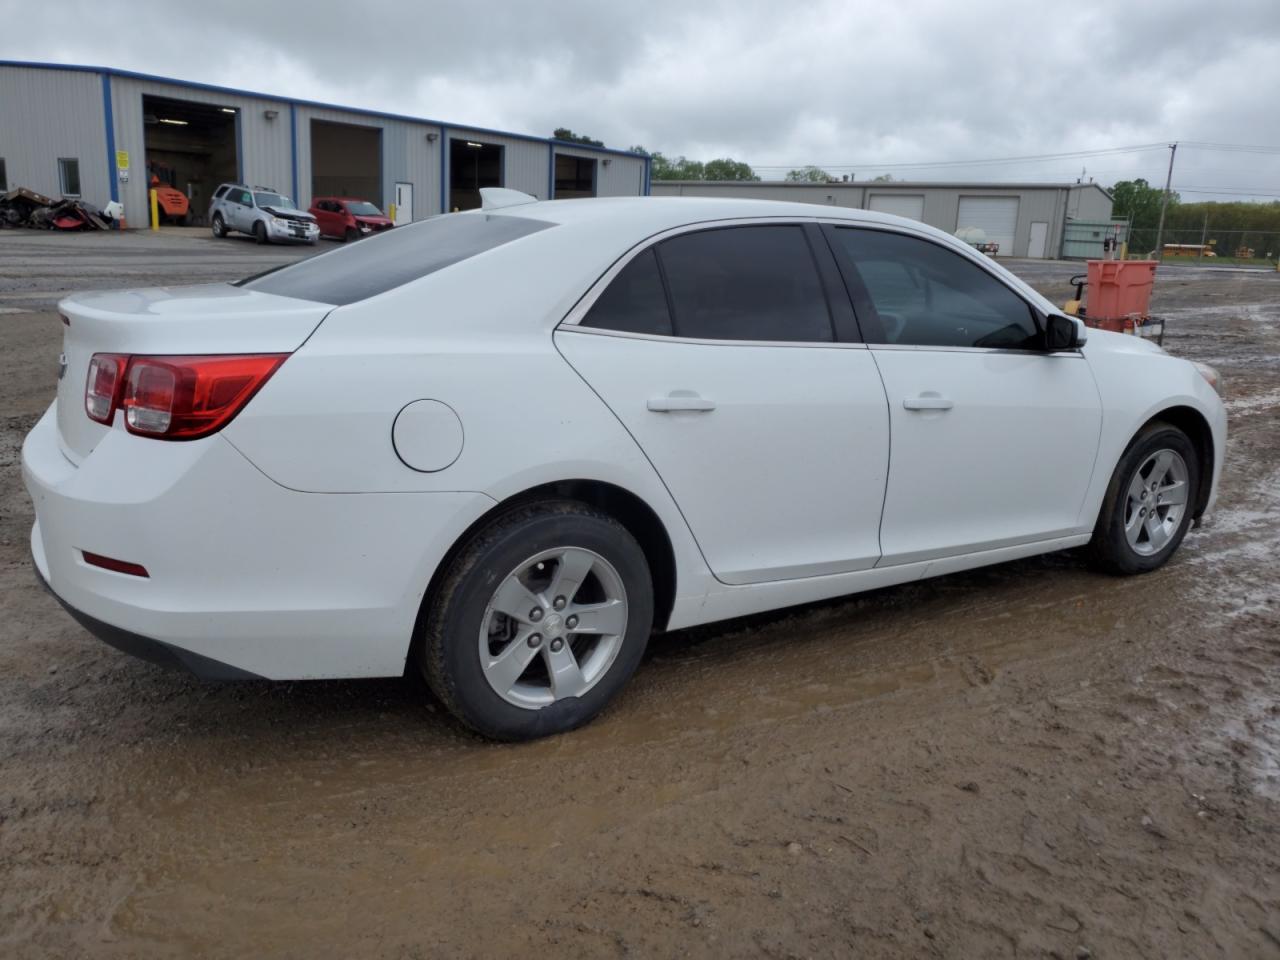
(900, 204)
(996, 217)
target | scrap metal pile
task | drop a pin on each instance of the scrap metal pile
(26, 208)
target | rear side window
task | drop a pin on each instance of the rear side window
(746, 283)
(634, 301)
(217, 194)
(929, 296)
(393, 258)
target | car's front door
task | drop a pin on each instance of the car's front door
(993, 438)
(718, 351)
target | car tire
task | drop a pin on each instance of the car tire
(1149, 502)
(218, 226)
(519, 560)
(259, 231)
(351, 236)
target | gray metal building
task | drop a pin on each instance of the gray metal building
(102, 134)
(1026, 219)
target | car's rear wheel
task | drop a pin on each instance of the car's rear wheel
(260, 231)
(218, 227)
(538, 622)
(1149, 502)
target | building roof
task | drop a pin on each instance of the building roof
(232, 91)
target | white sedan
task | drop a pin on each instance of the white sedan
(504, 446)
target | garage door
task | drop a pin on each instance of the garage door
(997, 217)
(900, 204)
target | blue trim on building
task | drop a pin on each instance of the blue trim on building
(551, 171)
(109, 118)
(648, 176)
(240, 147)
(212, 88)
(444, 170)
(293, 149)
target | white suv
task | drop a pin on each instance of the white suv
(262, 212)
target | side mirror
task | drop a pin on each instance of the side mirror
(1062, 333)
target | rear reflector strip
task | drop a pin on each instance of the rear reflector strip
(118, 566)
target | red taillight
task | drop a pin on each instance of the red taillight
(103, 385)
(110, 563)
(183, 398)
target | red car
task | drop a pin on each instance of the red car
(348, 218)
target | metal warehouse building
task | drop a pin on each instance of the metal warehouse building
(1027, 219)
(101, 134)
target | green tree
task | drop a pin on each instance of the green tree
(727, 169)
(564, 133)
(883, 178)
(809, 174)
(1138, 201)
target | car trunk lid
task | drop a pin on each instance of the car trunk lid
(207, 319)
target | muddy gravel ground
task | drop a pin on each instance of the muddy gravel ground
(1029, 760)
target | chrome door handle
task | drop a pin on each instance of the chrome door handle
(681, 401)
(927, 403)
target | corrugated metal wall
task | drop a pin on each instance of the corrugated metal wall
(616, 176)
(51, 112)
(266, 153)
(47, 114)
(407, 156)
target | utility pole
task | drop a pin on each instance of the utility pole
(1164, 204)
(1204, 232)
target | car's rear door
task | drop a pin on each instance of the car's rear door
(993, 438)
(727, 354)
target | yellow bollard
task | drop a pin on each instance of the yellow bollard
(155, 212)
(391, 212)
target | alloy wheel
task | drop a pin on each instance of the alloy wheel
(553, 627)
(1156, 502)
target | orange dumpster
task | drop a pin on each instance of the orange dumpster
(1120, 289)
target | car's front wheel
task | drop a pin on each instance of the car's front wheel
(538, 622)
(1149, 502)
(260, 231)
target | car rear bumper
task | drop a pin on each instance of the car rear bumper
(246, 577)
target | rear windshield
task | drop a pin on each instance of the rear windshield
(393, 258)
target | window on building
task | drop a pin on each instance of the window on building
(635, 300)
(69, 176)
(746, 283)
(929, 296)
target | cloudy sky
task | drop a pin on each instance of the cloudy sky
(852, 86)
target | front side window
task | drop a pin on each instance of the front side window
(634, 301)
(69, 176)
(746, 283)
(928, 296)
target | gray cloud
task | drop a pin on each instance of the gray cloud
(848, 85)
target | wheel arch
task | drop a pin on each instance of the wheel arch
(640, 520)
(1194, 424)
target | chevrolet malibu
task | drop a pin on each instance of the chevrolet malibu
(504, 446)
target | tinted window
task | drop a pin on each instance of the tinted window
(745, 283)
(634, 301)
(4, 178)
(393, 258)
(929, 296)
(219, 192)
